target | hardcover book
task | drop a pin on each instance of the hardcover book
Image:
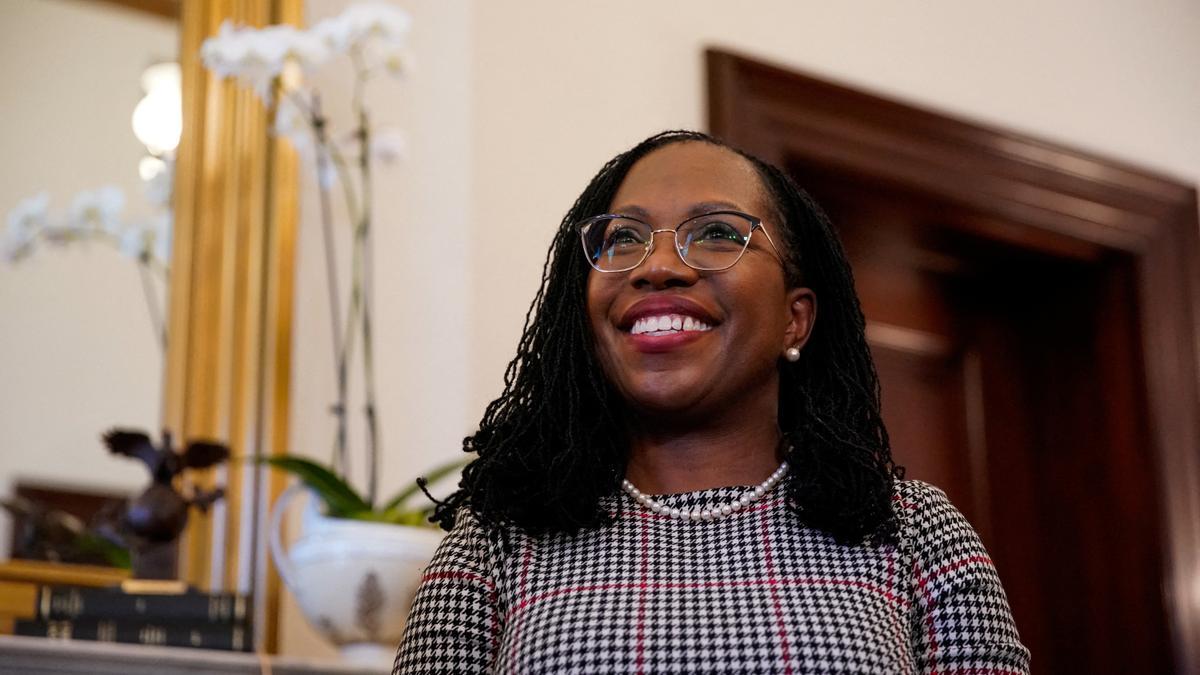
(57, 603)
(229, 637)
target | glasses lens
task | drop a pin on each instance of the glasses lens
(615, 244)
(714, 241)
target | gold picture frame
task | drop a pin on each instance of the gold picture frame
(227, 373)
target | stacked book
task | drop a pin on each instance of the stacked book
(184, 619)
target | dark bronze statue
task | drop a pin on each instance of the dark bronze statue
(153, 520)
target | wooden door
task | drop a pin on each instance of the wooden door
(1032, 311)
(1011, 375)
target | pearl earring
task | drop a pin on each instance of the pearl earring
(792, 354)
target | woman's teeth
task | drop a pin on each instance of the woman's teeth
(667, 324)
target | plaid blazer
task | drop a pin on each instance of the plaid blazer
(754, 592)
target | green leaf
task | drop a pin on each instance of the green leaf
(415, 518)
(366, 515)
(339, 497)
(432, 477)
(115, 555)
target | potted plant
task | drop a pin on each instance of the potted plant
(376, 553)
(376, 549)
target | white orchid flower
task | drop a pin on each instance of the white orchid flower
(132, 242)
(61, 233)
(225, 52)
(389, 146)
(240, 53)
(13, 250)
(149, 238)
(359, 23)
(304, 48)
(292, 123)
(327, 175)
(397, 61)
(29, 214)
(25, 220)
(158, 189)
(257, 56)
(96, 211)
(162, 227)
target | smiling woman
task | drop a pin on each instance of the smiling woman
(704, 402)
(687, 470)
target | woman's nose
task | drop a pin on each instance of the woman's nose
(663, 267)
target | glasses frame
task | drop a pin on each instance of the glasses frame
(755, 224)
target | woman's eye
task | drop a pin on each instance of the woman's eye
(718, 231)
(625, 236)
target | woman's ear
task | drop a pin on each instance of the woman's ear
(802, 313)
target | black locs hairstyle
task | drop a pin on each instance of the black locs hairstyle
(554, 443)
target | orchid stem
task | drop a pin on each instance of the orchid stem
(366, 277)
(340, 456)
(368, 338)
(156, 318)
(358, 313)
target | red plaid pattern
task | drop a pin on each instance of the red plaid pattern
(755, 592)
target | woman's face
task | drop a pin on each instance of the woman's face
(742, 318)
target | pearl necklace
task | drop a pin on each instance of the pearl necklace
(711, 513)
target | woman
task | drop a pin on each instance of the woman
(687, 470)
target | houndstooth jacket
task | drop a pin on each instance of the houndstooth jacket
(754, 592)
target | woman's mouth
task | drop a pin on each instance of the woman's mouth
(662, 324)
(668, 324)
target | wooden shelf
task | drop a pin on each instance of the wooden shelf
(47, 573)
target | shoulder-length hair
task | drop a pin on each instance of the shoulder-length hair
(553, 445)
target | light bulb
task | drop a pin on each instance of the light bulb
(149, 167)
(158, 117)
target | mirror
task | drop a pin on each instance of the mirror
(226, 373)
(82, 318)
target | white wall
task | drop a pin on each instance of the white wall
(77, 351)
(561, 86)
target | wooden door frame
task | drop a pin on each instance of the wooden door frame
(1066, 201)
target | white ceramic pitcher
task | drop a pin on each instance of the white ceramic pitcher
(354, 580)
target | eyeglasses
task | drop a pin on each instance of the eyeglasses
(710, 242)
